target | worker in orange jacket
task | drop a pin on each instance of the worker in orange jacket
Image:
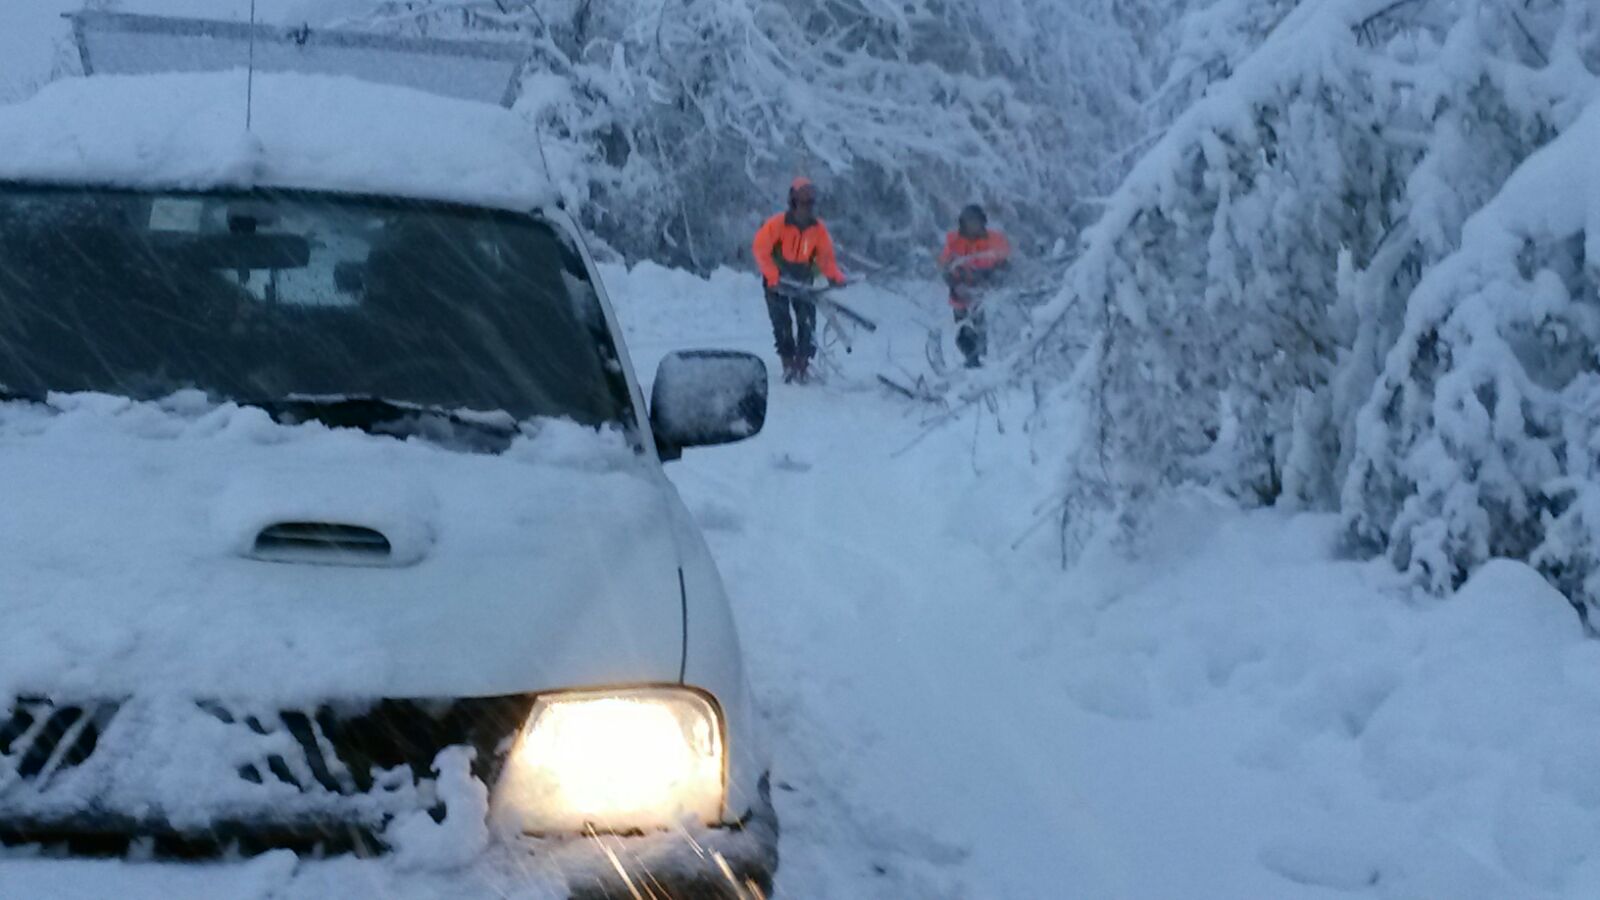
(792, 247)
(973, 256)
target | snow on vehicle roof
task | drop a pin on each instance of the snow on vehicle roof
(317, 132)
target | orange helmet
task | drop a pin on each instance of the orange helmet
(802, 189)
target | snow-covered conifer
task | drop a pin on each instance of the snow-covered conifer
(1251, 276)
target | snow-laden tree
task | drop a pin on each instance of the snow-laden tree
(696, 113)
(1204, 44)
(1481, 438)
(1186, 45)
(1250, 275)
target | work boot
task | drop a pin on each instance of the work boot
(788, 369)
(802, 369)
(974, 362)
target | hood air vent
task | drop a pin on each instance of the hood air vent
(327, 543)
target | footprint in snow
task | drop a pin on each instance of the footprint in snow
(714, 516)
(787, 463)
(1341, 863)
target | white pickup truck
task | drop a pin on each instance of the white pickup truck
(332, 514)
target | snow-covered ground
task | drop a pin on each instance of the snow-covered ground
(1234, 715)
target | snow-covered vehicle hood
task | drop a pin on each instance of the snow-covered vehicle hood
(132, 566)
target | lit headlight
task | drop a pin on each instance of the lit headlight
(617, 760)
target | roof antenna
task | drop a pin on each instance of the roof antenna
(250, 76)
(538, 136)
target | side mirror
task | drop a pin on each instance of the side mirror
(707, 397)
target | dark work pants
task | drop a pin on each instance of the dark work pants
(792, 333)
(971, 334)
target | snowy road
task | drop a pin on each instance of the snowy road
(911, 663)
(867, 606)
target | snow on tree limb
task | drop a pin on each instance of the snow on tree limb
(1480, 438)
(1252, 272)
(695, 115)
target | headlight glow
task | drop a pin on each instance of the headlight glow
(636, 758)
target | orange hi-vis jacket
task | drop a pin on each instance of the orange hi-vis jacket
(783, 248)
(969, 261)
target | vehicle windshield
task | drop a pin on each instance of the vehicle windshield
(270, 297)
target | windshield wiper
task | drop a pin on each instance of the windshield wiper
(377, 415)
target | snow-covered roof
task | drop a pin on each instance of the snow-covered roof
(187, 131)
(123, 44)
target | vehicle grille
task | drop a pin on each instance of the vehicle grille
(325, 778)
(39, 738)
